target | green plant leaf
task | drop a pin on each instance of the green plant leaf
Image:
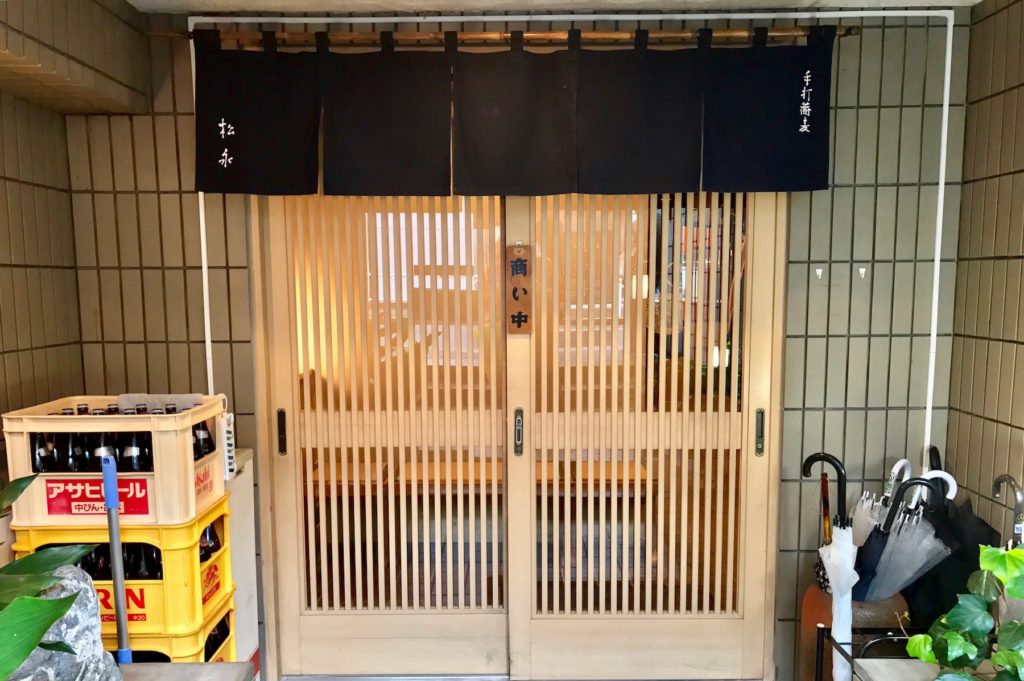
(1011, 635)
(1002, 563)
(954, 676)
(1009, 659)
(47, 560)
(920, 646)
(24, 623)
(13, 490)
(12, 586)
(970, 615)
(1006, 675)
(985, 586)
(57, 647)
(1015, 587)
(958, 646)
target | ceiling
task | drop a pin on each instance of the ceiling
(519, 6)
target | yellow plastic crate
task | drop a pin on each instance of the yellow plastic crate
(176, 491)
(191, 646)
(189, 591)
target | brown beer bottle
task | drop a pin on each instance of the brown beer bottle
(209, 544)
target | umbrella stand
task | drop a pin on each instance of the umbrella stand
(113, 503)
(1018, 503)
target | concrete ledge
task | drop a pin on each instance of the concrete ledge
(221, 671)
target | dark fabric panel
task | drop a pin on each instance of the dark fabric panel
(270, 106)
(639, 119)
(754, 133)
(387, 124)
(515, 123)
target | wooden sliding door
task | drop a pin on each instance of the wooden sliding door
(640, 510)
(628, 534)
(388, 350)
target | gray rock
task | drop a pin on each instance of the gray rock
(80, 629)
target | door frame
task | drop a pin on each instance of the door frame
(768, 210)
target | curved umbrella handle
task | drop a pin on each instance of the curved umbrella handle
(1018, 502)
(903, 465)
(934, 458)
(901, 492)
(824, 457)
(948, 481)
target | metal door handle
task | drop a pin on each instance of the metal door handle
(759, 432)
(282, 432)
(517, 433)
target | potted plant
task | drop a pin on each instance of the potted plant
(970, 634)
(24, 616)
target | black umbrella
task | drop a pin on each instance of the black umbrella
(871, 553)
(841, 519)
(936, 592)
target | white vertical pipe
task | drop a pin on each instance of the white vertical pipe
(933, 337)
(207, 336)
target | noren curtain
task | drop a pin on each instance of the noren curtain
(639, 120)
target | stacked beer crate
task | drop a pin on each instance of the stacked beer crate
(174, 512)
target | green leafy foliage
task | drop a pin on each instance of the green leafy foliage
(920, 646)
(12, 586)
(1009, 660)
(985, 585)
(1011, 635)
(1015, 587)
(959, 641)
(24, 623)
(12, 491)
(47, 560)
(57, 647)
(957, 645)
(25, 618)
(970, 615)
(1004, 564)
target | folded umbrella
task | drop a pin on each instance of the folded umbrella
(841, 519)
(820, 573)
(870, 554)
(870, 509)
(836, 559)
(913, 549)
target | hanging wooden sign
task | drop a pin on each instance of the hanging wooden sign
(518, 287)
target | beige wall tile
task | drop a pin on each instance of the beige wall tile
(144, 150)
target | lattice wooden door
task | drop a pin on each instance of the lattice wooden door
(629, 538)
(390, 365)
(644, 526)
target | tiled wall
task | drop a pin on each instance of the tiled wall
(856, 345)
(74, 55)
(40, 354)
(986, 426)
(137, 241)
(860, 284)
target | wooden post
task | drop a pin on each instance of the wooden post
(519, 481)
